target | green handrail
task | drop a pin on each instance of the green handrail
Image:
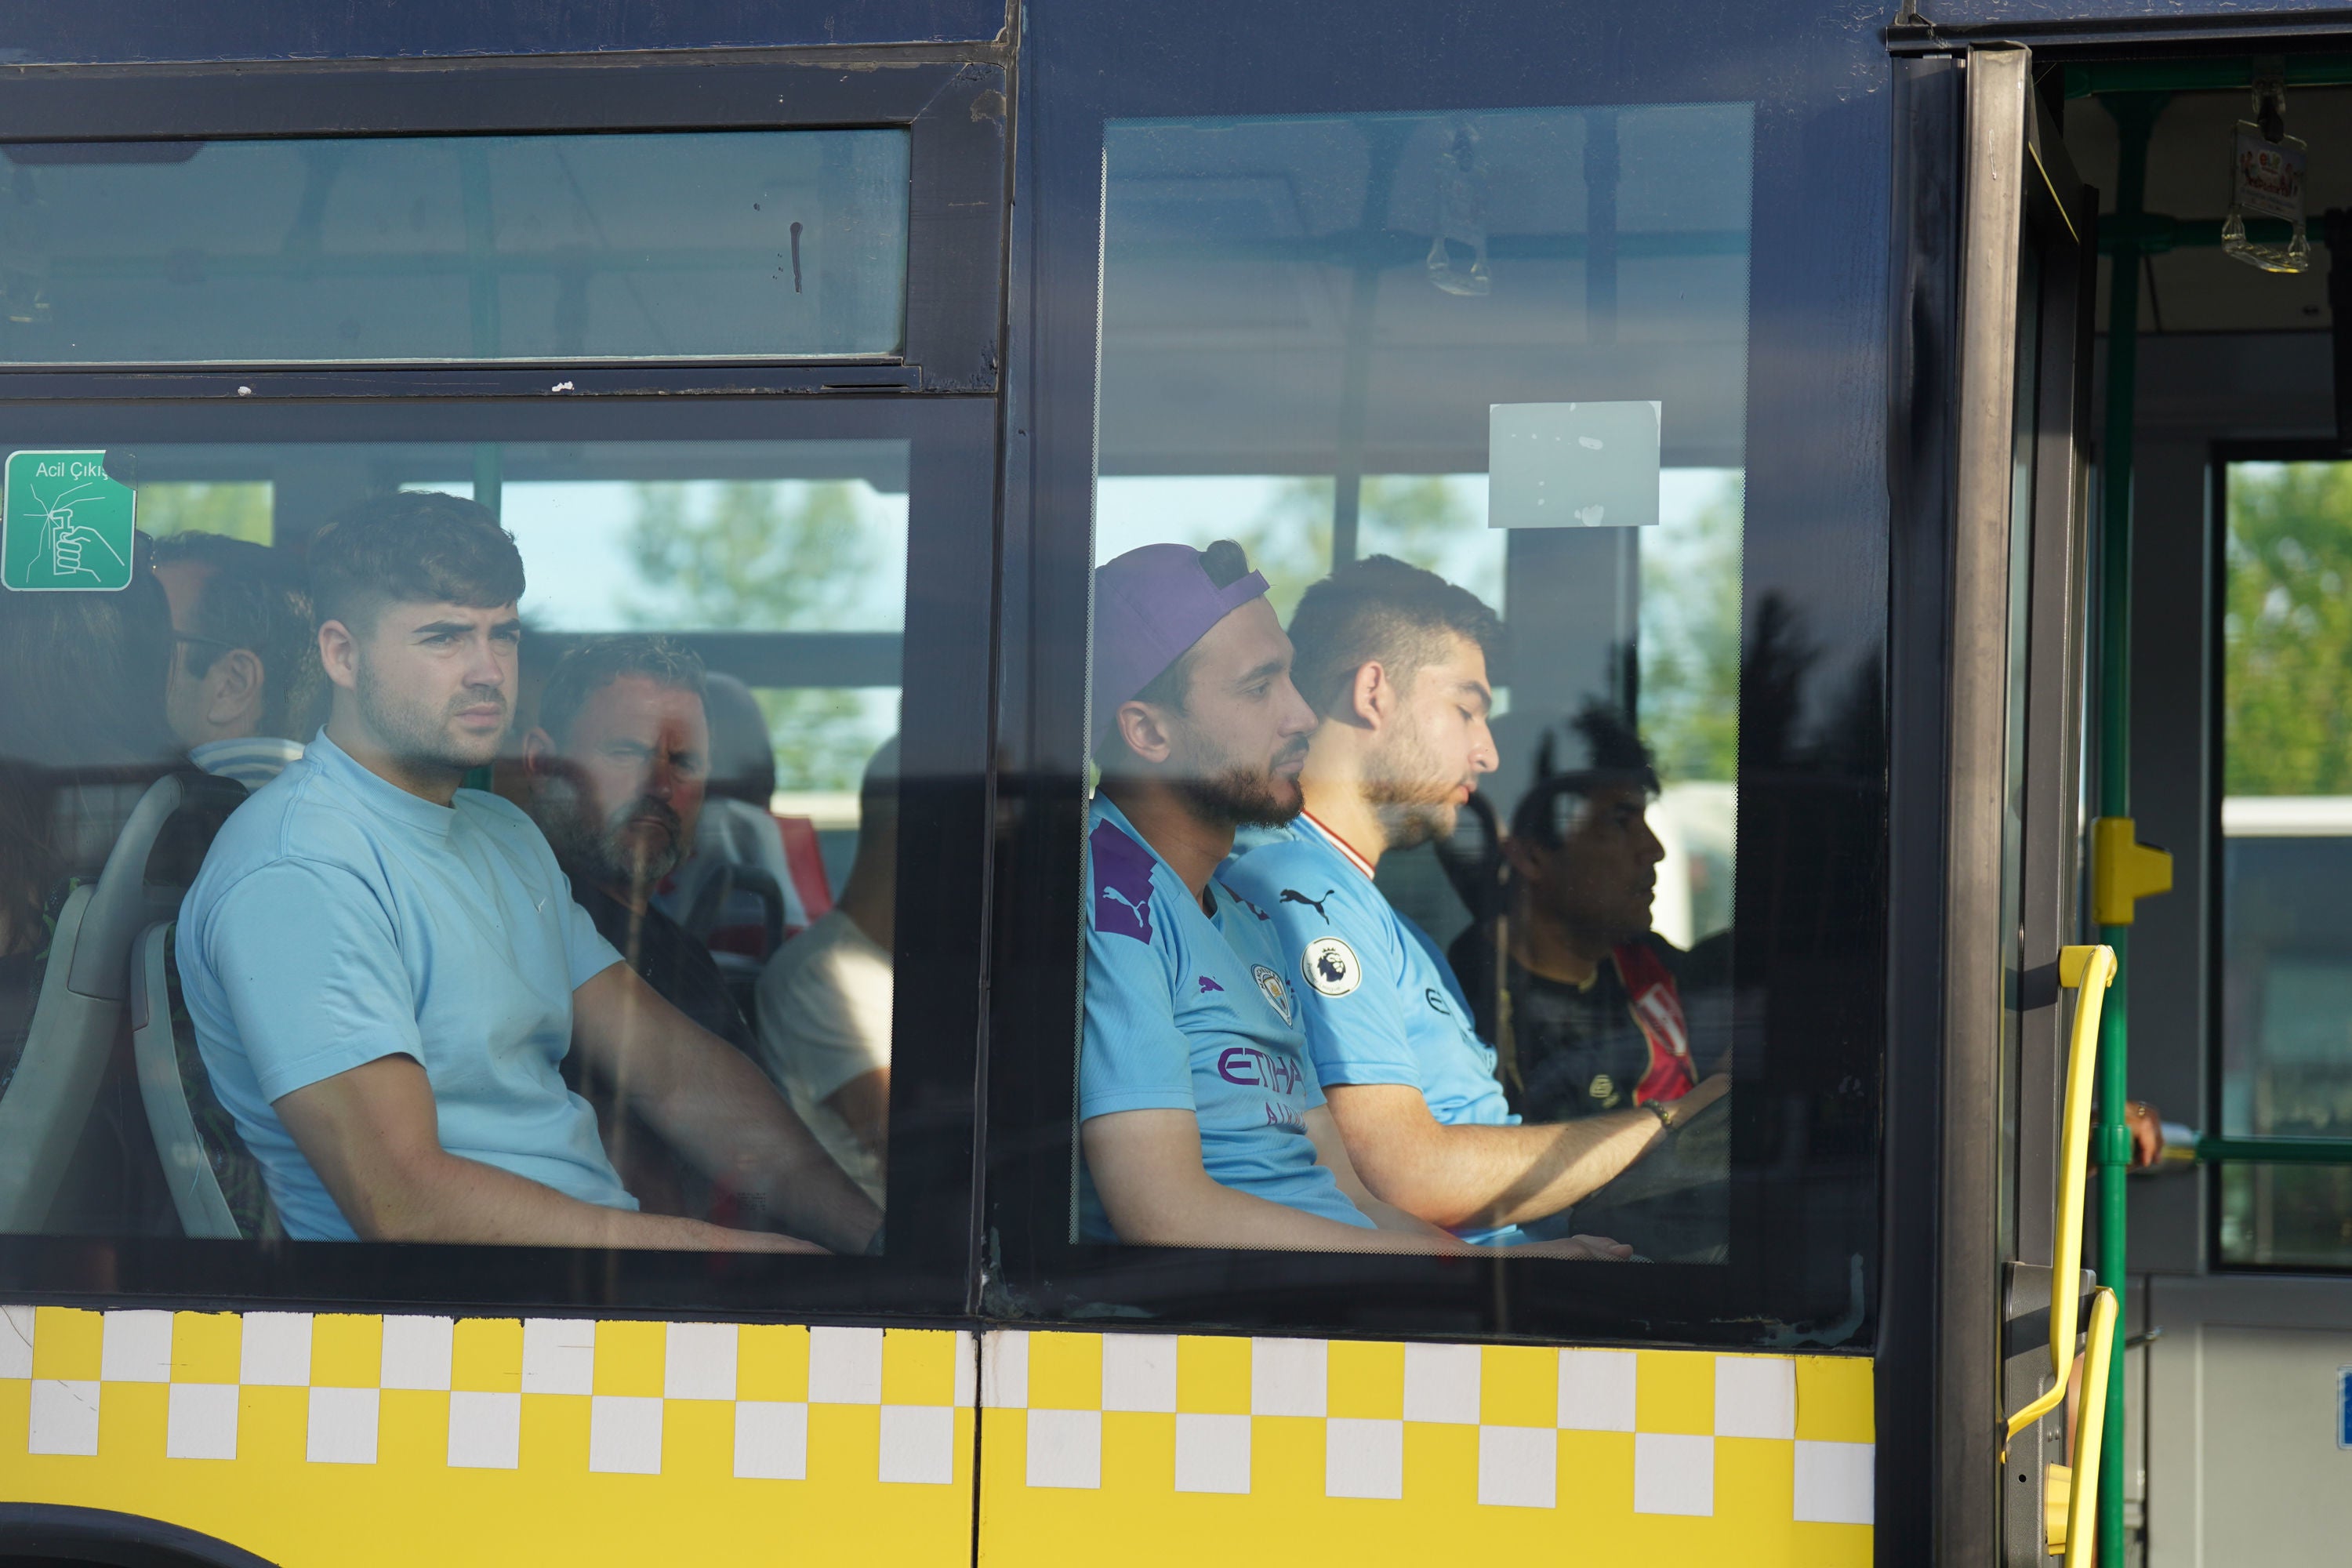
(2134, 115)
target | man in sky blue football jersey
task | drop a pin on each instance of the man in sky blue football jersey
(1201, 1119)
(1393, 659)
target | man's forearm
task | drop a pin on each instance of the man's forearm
(453, 1199)
(728, 1119)
(1209, 1214)
(1578, 1159)
(1465, 1175)
(713, 1106)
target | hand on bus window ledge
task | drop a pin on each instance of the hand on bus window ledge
(371, 1133)
(1466, 1176)
(2147, 1124)
(1577, 1249)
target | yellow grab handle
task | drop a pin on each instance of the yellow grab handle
(2080, 1537)
(2087, 971)
(2123, 871)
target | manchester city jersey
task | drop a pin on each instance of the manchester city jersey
(1187, 1012)
(1378, 1003)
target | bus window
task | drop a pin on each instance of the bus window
(1416, 684)
(2286, 1068)
(546, 890)
(544, 247)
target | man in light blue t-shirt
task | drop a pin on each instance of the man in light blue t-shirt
(1201, 1120)
(1395, 661)
(384, 970)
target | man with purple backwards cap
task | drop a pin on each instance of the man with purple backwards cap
(1201, 1120)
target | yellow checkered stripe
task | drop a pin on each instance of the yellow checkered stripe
(353, 1439)
(326, 1377)
(1323, 1446)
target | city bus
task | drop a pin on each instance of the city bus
(1908, 475)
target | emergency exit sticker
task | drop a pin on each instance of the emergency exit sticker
(65, 524)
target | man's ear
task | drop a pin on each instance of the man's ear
(1145, 731)
(339, 654)
(1371, 696)
(1525, 857)
(233, 689)
(538, 751)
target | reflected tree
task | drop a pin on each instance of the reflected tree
(240, 510)
(1690, 641)
(762, 556)
(1412, 517)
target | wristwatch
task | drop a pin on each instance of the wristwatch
(1663, 1110)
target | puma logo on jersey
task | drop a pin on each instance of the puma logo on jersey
(1292, 896)
(1122, 870)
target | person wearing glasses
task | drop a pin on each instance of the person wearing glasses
(244, 688)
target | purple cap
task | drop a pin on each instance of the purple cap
(1150, 606)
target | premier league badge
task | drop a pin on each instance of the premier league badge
(1275, 991)
(1329, 966)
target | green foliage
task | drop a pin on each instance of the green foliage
(240, 510)
(762, 556)
(1690, 642)
(1407, 516)
(2286, 630)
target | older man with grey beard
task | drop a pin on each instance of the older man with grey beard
(617, 764)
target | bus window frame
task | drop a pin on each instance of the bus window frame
(928, 1265)
(954, 111)
(1224, 59)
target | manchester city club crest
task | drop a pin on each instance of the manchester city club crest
(1275, 991)
(1329, 966)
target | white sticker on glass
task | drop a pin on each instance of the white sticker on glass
(1573, 464)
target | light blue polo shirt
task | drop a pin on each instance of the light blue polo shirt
(1184, 1012)
(339, 919)
(1380, 1005)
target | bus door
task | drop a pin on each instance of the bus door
(2013, 661)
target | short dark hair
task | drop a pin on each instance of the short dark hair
(1379, 608)
(1226, 564)
(255, 598)
(412, 547)
(1615, 757)
(600, 661)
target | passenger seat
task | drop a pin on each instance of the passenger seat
(79, 1018)
(217, 1183)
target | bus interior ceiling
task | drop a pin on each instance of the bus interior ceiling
(2234, 353)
